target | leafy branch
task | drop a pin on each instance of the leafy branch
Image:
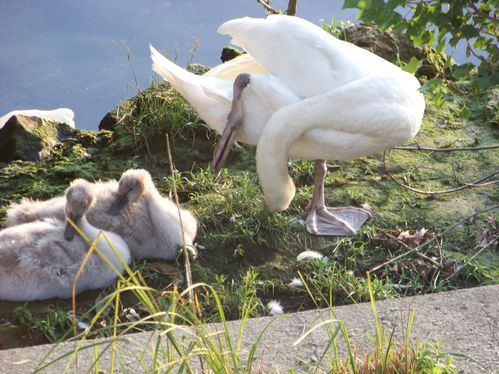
(435, 24)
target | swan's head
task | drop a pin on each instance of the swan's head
(79, 198)
(132, 185)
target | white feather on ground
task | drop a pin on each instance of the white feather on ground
(275, 307)
(306, 255)
(295, 283)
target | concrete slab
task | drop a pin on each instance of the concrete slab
(465, 322)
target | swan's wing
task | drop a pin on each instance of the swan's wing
(231, 69)
(306, 58)
(211, 97)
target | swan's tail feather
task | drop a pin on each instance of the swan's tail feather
(203, 92)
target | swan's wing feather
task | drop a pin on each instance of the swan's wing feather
(204, 93)
(307, 59)
(231, 69)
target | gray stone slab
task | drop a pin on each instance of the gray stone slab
(464, 321)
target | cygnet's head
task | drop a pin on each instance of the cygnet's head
(79, 198)
(132, 185)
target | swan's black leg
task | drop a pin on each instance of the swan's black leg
(234, 120)
(331, 221)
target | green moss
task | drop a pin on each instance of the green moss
(238, 233)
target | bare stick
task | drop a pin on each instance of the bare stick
(267, 7)
(410, 251)
(454, 149)
(471, 259)
(392, 260)
(187, 263)
(423, 256)
(477, 183)
(451, 227)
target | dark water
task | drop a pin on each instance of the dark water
(71, 53)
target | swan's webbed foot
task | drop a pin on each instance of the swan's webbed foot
(234, 121)
(336, 221)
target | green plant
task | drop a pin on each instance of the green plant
(184, 343)
(54, 325)
(434, 23)
(387, 355)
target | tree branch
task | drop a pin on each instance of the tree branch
(267, 6)
(292, 8)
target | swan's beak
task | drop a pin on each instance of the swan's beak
(70, 231)
(118, 205)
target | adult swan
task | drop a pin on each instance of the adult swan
(301, 93)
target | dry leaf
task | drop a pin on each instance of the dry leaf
(164, 268)
(414, 238)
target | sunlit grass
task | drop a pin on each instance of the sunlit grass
(182, 342)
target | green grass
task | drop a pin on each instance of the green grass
(247, 249)
(182, 342)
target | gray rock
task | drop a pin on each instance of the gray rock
(30, 138)
(197, 69)
(109, 121)
(229, 53)
(387, 45)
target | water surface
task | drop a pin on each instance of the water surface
(73, 53)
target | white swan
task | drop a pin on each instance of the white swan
(132, 207)
(39, 260)
(61, 115)
(301, 93)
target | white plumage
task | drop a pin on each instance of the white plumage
(310, 96)
(39, 260)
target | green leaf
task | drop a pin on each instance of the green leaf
(469, 31)
(413, 65)
(464, 71)
(350, 4)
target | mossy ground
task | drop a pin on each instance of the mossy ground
(244, 247)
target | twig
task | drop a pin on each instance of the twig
(452, 149)
(187, 263)
(410, 251)
(471, 259)
(477, 183)
(392, 260)
(451, 227)
(423, 256)
(267, 7)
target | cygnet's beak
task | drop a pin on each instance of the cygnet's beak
(70, 231)
(118, 205)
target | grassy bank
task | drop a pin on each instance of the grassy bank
(247, 249)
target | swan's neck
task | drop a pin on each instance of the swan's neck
(121, 248)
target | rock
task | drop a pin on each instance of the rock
(197, 69)
(229, 53)
(392, 47)
(30, 138)
(108, 122)
(65, 115)
(387, 45)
